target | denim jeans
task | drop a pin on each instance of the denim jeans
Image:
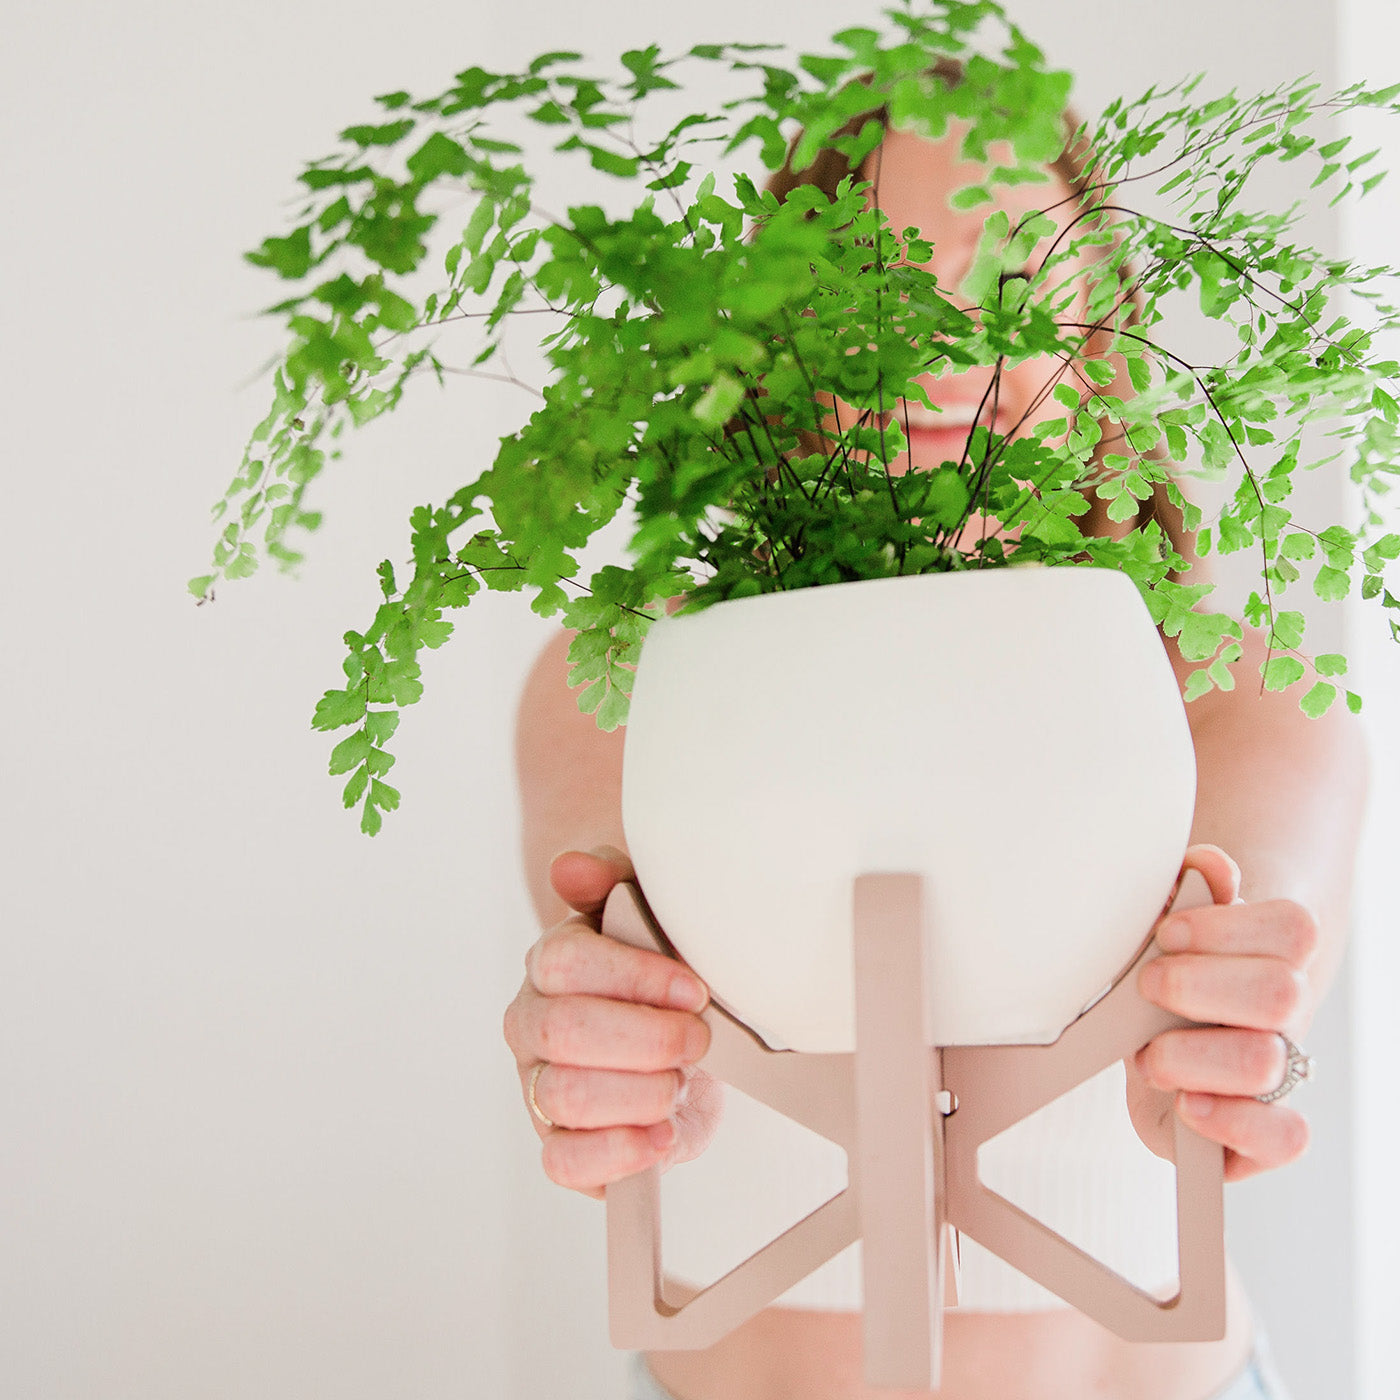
(1256, 1382)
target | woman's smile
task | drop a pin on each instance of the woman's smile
(940, 435)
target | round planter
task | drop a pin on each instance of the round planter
(1016, 736)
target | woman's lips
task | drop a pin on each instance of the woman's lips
(931, 445)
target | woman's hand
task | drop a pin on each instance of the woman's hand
(617, 1032)
(1242, 968)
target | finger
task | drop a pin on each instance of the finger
(1258, 1136)
(591, 1159)
(1221, 874)
(584, 879)
(572, 959)
(1262, 994)
(514, 1025)
(1215, 1060)
(594, 1033)
(598, 1098)
(1279, 928)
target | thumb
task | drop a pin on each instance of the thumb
(584, 879)
(1219, 873)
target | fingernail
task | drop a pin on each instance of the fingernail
(683, 1092)
(687, 993)
(1173, 935)
(1197, 1105)
(662, 1136)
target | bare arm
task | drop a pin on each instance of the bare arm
(1283, 795)
(605, 1036)
(570, 776)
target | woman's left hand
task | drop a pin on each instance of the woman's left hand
(1243, 970)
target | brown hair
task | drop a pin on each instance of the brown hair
(1076, 167)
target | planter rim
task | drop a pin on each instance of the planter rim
(771, 597)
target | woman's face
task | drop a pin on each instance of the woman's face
(914, 178)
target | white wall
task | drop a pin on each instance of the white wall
(1370, 51)
(261, 1136)
(254, 1090)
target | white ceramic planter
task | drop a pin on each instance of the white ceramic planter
(1014, 735)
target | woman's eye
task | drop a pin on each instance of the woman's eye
(1023, 274)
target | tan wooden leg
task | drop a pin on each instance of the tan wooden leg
(998, 1085)
(896, 1169)
(814, 1090)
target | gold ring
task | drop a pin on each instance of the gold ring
(533, 1101)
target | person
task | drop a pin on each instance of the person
(606, 1037)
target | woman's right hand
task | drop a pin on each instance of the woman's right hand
(608, 1036)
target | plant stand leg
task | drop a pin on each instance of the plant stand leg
(897, 1164)
(813, 1090)
(999, 1085)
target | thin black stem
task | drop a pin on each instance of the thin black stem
(485, 374)
(879, 326)
(985, 484)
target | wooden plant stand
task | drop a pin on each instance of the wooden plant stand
(911, 1118)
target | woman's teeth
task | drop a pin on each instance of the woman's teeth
(950, 419)
(942, 422)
